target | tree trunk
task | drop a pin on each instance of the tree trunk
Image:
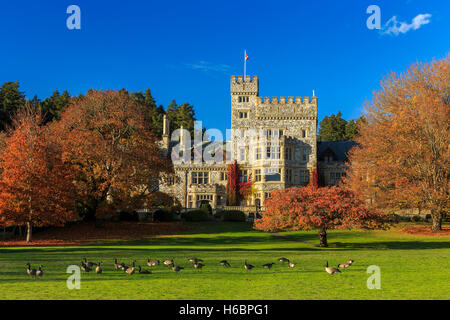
(323, 237)
(437, 221)
(29, 231)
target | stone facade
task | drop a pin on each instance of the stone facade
(274, 140)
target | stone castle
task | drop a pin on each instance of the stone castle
(274, 141)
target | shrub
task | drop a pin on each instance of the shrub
(416, 218)
(128, 216)
(392, 217)
(163, 215)
(206, 207)
(234, 215)
(218, 215)
(196, 215)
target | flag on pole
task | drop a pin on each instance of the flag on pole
(245, 62)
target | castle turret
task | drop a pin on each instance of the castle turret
(244, 87)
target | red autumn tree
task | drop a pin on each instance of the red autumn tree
(402, 161)
(317, 208)
(115, 157)
(36, 187)
(237, 190)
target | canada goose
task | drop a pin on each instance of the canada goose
(177, 268)
(131, 270)
(89, 264)
(141, 271)
(291, 265)
(40, 272)
(346, 264)
(225, 263)
(98, 269)
(123, 266)
(31, 272)
(331, 270)
(84, 267)
(117, 265)
(198, 265)
(152, 263)
(195, 260)
(268, 265)
(248, 266)
(283, 260)
(168, 262)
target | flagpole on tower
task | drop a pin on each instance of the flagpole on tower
(245, 63)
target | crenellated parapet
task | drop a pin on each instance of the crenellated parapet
(290, 108)
(289, 100)
(244, 86)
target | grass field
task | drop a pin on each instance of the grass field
(412, 267)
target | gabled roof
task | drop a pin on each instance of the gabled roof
(339, 149)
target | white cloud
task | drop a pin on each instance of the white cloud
(207, 66)
(395, 27)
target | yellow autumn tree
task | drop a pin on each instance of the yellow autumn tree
(403, 158)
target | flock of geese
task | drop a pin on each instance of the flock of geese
(88, 266)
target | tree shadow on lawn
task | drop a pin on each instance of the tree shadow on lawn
(191, 244)
(395, 245)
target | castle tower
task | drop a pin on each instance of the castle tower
(244, 93)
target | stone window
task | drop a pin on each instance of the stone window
(258, 154)
(200, 177)
(304, 133)
(258, 175)
(275, 153)
(304, 176)
(304, 154)
(243, 176)
(171, 181)
(243, 115)
(288, 152)
(207, 197)
(272, 174)
(223, 176)
(289, 175)
(242, 154)
(335, 177)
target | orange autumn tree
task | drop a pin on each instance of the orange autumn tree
(317, 208)
(36, 188)
(403, 158)
(115, 157)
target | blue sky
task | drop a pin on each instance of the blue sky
(187, 50)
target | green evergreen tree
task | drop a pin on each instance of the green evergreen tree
(335, 128)
(11, 99)
(332, 128)
(54, 106)
(185, 117)
(172, 111)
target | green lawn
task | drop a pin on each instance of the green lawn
(412, 267)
